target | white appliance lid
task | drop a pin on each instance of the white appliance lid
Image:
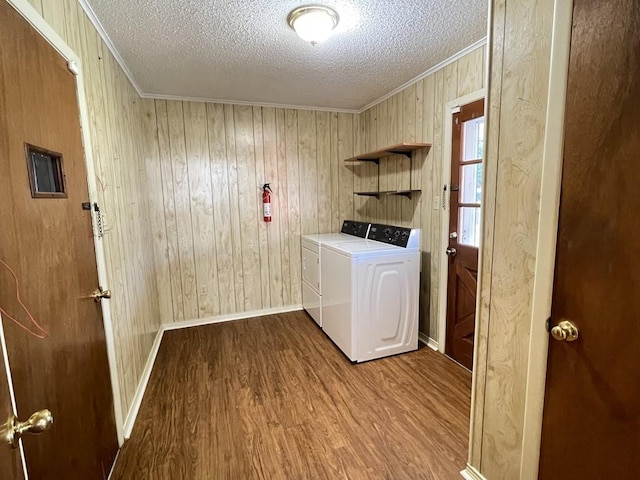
(326, 238)
(367, 247)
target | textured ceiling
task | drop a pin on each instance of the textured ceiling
(245, 51)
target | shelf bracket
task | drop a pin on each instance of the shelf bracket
(396, 152)
(373, 160)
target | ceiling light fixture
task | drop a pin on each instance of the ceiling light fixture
(313, 23)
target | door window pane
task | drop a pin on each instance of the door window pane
(473, 139)
(471, 183)
(469, 226)
(46, 175)
(45, 172)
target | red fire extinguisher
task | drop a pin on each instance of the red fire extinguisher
(266, 202)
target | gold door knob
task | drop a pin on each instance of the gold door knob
(12, 431)
(565, 331)
(100, 294)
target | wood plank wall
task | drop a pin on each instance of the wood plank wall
(217, 256)
(519, 74)
(415, 115)
(121, 145)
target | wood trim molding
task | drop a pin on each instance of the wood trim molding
(485, 263)
(428, 341)
(31, 15)
(547, 237)
(229, 317)
(180, 98)
(93, 18)
(12, 394)
(142, 386)
(453, 58)
(471, 473)
(107, 40)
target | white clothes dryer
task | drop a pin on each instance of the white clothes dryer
(370, 293)
(351, 231)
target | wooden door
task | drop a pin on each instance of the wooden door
(464, 230)
(591, 425)
(10, 459)
(48, 241)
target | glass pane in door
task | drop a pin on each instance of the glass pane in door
(469, 226)
(471, 183)
(473, 139)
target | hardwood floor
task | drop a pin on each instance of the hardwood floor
(273, 398)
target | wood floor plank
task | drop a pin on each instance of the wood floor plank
(273, 398)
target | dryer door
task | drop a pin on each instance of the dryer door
(311, 268)
(388, 305)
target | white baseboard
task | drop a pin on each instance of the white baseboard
(428, 341)
(230, 317)
(113, 465)
(142, 385)
(471, 473)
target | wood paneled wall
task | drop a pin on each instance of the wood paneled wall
(520, 34)
(121, 145)
(179, 190)
(217, 256)
(415, 115)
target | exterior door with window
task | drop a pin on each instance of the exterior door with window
(467, 153)
(46, 238)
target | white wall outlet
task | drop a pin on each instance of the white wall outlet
(203, 289)
(436, 202)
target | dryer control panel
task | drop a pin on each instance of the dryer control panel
(357, 229)
(398, 236)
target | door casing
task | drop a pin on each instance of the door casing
(449, 109)
(544, 266)
(4, 363)
(552, 162)
(42, 27)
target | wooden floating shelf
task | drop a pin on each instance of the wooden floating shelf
(400, 149)
(404, 193)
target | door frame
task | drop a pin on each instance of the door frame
(445, 204)
(544, 267)
(32, 16)
(4, 354)
(552, 161)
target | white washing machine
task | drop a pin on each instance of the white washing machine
(370, 293)
(351, 231)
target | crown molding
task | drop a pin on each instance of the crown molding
(154, 96)
(105, 37)
(107, 40)
(456, 56)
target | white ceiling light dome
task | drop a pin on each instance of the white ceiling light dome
(313, 23)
